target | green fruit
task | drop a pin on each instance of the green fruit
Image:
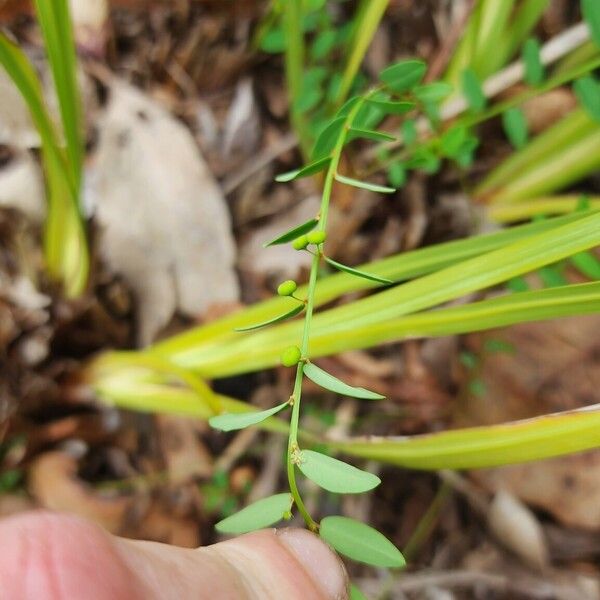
(287, 288)
(291, 356)
(316, 237)
(300, 243)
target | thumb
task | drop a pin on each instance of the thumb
(59, 557)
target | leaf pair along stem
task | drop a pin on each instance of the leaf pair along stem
(330, 177)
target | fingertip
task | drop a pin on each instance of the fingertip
(321, 564)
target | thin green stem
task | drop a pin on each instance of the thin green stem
(293, 447)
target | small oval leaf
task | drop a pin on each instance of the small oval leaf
(390, 107)
(534, 69)
(292, 234)
(587, 90)
(311, 169)
(258, 515)
(288, 315)
(335, 475)
(473, 91)
(365, 185)
(514, 124)
(433, 92)
(360, 542)
(328, 138)
(369, 134)
(403, 75)
(234, 421)
(357, 272)
(333, 384)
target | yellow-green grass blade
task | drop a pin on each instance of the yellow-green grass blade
(64, 238)
(55, 23)
(400, 267)
(556, 143)
(367, 20)
(470, 448)
(489, 446)
(474, 274)
(537, 305)
(551, 205)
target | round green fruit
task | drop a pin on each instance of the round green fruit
(300, 243)
(291, 356)
(287, 288)
(316, 237)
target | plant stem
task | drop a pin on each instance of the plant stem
(293, 447)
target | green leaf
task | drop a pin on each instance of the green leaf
(310, 169)
(360, 542)
(591, 13)
(588, 264)
(424, 159)
(452, 141)
(397, 174)
(392, 107)
(466, 154)
(273, 41)
(288, 315)
(356, 594)
(357, 272)
(328, 138)
(369, 134)
(515, 127)
(235, 421)
(334, 475)
(534, 69)
(409, 131)
(308, 98)
(473, 91)
(552, 276)
(333, 384)
(433, 92)
(323, 44)
(404, 75)
(587, 90)
(293, 233)
(347, 106)
(258, 515)
(365, 185)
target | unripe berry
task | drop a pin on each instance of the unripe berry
(300, 243)
(290, 356)
(316, 237)
(287, 288)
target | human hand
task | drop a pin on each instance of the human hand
(49, 556)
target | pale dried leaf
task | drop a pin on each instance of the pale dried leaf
(518, 529)
(165, 224)
(21, 186)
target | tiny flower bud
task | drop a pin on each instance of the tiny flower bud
(287, 288)
(316, 237)
(290, 356)
(300, 243)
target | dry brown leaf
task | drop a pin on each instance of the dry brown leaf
(186, 457)
(549, 367)
(165, 224)
(53, 482)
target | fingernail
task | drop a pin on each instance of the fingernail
(321, 564)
